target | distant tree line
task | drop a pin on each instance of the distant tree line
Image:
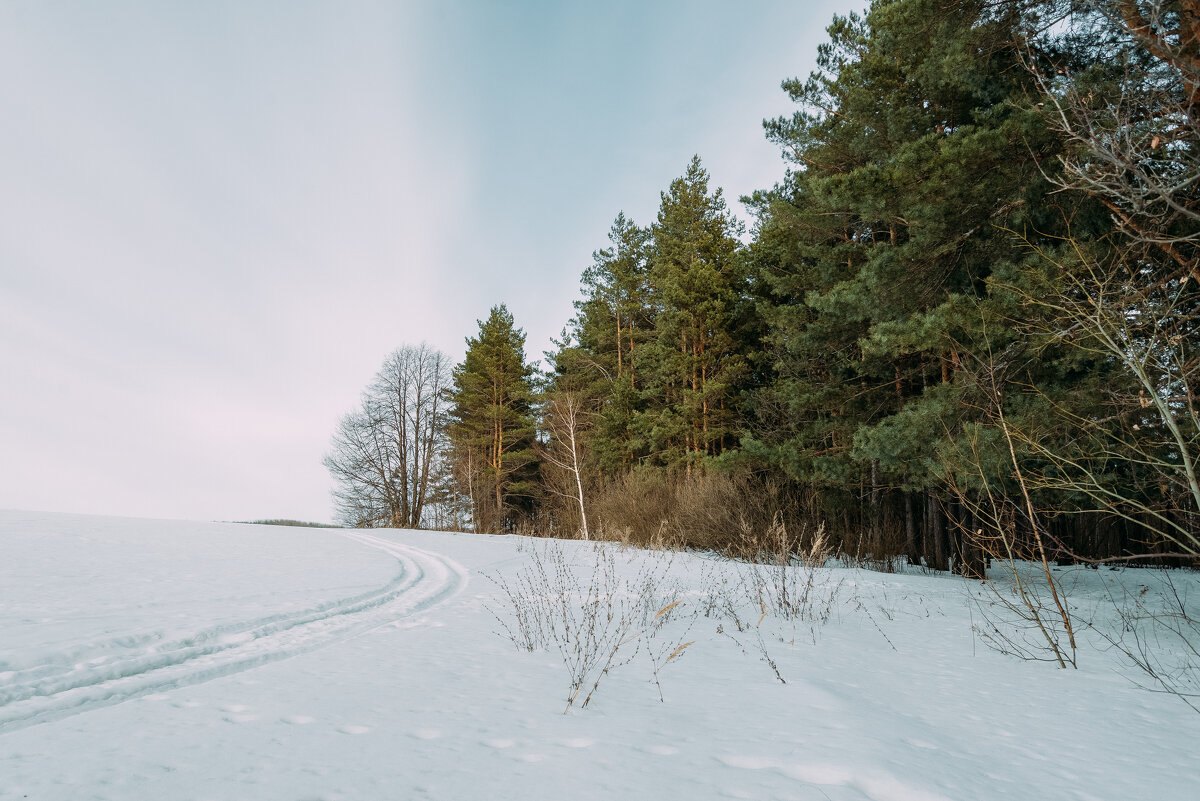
(964, 323)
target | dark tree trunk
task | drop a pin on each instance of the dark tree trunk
(970, 554)
(877, 549)
(910, 530)
(937, 533)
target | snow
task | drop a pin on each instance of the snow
(174, 660)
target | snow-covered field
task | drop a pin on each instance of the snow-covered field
(169, 660)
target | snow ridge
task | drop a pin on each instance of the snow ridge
(113, 671)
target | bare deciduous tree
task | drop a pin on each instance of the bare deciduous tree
(383, 454)
(1132, 123)
(565, 419)
(1150, 329)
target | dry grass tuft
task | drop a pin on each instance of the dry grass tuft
(679, 649)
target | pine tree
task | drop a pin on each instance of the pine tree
(916, 158)
(600, 353)
(613, 318)
(493, 427)
(696, 364)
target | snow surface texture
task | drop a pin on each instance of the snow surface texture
(169, 660)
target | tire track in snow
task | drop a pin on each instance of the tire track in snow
(88, 658)
(49, 692)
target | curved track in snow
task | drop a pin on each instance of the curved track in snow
(110, 672)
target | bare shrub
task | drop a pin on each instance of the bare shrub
(1028, 614)
(715, 512)
(729, 514)
(1158, 633)
(1027, 611)
(1020, 617)
(633, 509)
(596, 620)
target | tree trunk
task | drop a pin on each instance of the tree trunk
(971, 563)
(876, 514)
(937, 532)
(910, 530)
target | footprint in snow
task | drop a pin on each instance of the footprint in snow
(921, 744)
(354, 729)
(427, 734)
(579, 742)
(663, 750)
(499, 743)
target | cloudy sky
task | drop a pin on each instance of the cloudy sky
(217, 218)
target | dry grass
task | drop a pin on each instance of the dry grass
(732, 515)
(790, 585)
(785, 587)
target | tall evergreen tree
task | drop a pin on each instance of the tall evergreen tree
(493, 428)
(916, 157)
(613, 317)
(600, 353)
(698, 296)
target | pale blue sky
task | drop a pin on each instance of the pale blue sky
(217, 218)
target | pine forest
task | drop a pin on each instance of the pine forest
(963, 324)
